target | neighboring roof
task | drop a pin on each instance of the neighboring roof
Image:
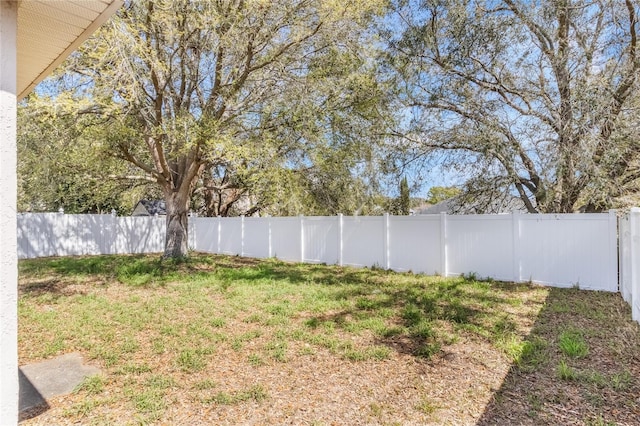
(455, 205)
(150, 208)
(48, 31)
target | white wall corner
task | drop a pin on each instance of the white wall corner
(9, 390)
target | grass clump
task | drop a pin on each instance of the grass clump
(572, 344)
(190, 361)
(566, 372)
(254, 393)
(92, 385)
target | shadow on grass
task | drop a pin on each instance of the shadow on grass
(548, 385)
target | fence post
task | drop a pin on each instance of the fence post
(515, 219)
(301, 238)
(622, 262)
(191, 240)
(385, 241)
(443, 244)
(270, 243)
(340, 238)
(634, 240)
(113, 235)
(219, 232)
(612, 264)
(242, 236)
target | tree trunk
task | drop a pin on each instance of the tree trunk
(177, 238)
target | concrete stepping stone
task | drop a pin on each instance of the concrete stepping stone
(53, 377)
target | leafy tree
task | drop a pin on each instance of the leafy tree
(535, 98)
(319, 142)
(437, 194)
(405, 198)
(182, 83)
(63, 165)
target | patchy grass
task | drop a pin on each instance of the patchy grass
(227, 340)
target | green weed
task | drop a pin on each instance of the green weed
(92, 385)
(190, 361)
(565, 372)
(255, 393)
(572, 344)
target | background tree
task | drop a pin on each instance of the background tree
(181, 81)
(437, 194)
(405, 197)
(535, 98)
(61, 164)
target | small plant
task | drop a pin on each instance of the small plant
(428, 350)
(217, 322)
(565, 372)
(535, 405)
(158, 346)
(621, 381)
(594, 377)
(533, 353)
(277, 350)
(134, 369)
(205, 384)
(412, 314)
(374, 352)
(426, 406)
(572, 344)
(81, 409)
(255, 360)
(160, 382)
(423, 329)
(376, 410)
(470, 276)
(255, 393)
(190, 361)
(150, 401)
(91, 385)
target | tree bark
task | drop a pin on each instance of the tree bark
(177, 236)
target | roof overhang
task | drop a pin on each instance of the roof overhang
(48, 31)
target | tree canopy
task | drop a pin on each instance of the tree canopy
(535, 98)
(214, 98)
(305, 107)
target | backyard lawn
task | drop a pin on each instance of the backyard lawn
(229, 340)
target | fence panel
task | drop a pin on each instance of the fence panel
(568, 250)
(624, 232)
(630, 260)
(35, 235)
(321, 239)
(140, 234)
(286, 238)
(54, 234)
(414, 244)
(363, 241)
(634, 217)
(206, 234)
(87, 234)
(256, 237)
(480, 244)
(231, 235)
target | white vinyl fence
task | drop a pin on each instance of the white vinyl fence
(630, 260)
(55, 234)
(554, 249)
